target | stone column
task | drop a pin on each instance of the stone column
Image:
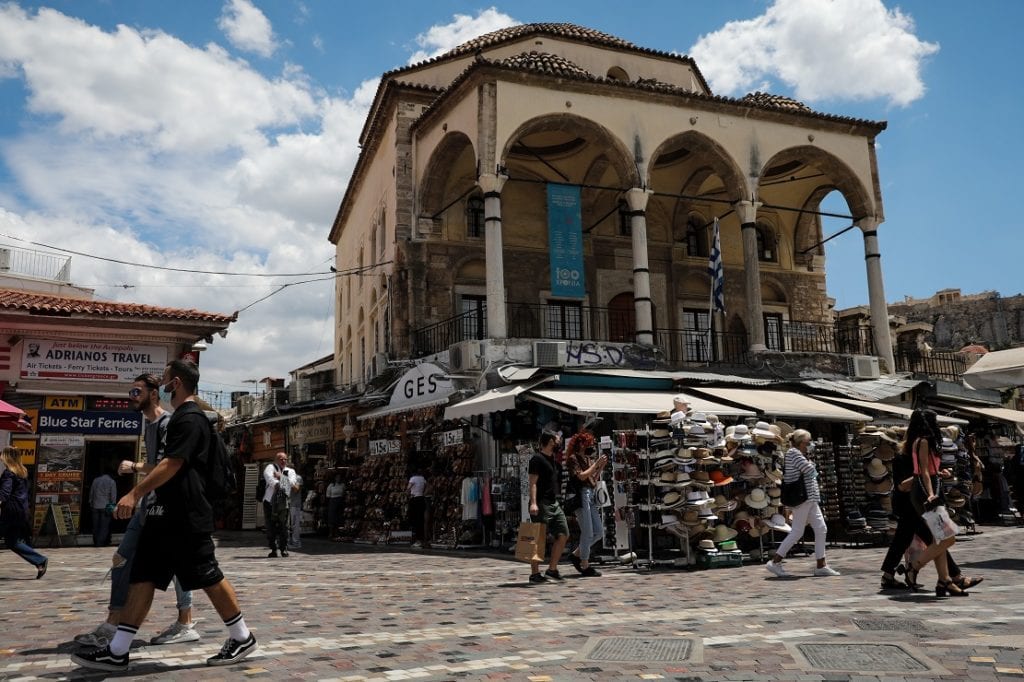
(637, 198)
(747, 211)
(876, 293)
(497, 324)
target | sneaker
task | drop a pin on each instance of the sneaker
(416, 545)
(233, 651)
(176, 632)
(826, 571)
(100, 659)
(554, 575)
(590, 572)
(284, 552)
(537, 578)
(577, 563)
(776, 569)
(273, 554)
(100, 637)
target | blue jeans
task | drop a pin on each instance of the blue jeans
(119, 576)
(589, 518)
(15, 539)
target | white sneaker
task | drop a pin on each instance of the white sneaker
(417, 545)
(776, 569)
(826, 571)
(99, 638)
(176, 632)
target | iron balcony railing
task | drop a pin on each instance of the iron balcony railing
(948, 366)
(568, 321)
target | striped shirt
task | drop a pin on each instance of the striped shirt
(797, 464)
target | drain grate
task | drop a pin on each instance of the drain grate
(888, 658)
(637, 649)
(910, 625)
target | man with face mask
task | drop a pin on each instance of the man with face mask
(176, 538)
(144, 396)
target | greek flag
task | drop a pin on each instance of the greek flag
(717, 273)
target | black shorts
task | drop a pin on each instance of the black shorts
(163, 555)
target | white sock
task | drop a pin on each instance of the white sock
(122, 640)
(237, 628)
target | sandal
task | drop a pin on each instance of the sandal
(890, 583)
(948, 588)
(911, 578)
(964, 582)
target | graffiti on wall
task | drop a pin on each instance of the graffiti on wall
(624, 355)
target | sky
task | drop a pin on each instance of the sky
(219, 136)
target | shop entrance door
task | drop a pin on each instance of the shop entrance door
(99, 456)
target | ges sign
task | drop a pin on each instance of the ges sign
(425, 384)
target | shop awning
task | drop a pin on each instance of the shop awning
(624, 402)
(784, 404)
(884, 408)
(1001, 414)
(393, 409)
(998, 369)
(494, 400)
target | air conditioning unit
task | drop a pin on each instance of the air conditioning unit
(863, 367)
(466, 355)
(549, 353)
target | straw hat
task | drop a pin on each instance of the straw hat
(784, 428)
(879, 487)
(728, 546)
(762, 432)
(701, 478)
(691, 517)
(877, 470)
(708, 546)
(724, 532)
(757, 499)
(885, 452)
(698, 498)
(736, 433)
(751, 472)
(667, 477)
(724, 504)
(778, 522)
(671, 499)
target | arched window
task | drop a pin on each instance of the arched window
(373, 244)
(766, 245)
(696, 237)
(617, 73)
(625, 220)
(475, 217)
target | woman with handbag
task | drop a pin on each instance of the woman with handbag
(584, 474)
(799, 469)
(921, 447)
(14, 510)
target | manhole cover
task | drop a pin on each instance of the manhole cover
(891, 624)
(634, 649)
(890, 658)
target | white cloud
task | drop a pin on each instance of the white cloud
(150, 150)
(247, 27)
(822, 49)
(440, 38)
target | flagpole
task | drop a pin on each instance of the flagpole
(711, 299)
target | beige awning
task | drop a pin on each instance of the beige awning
(587, 401)
(494, 400)
(1002, 414)
(885, 408)
(998, 369)
(784, 404)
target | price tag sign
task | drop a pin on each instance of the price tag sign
(453, 437)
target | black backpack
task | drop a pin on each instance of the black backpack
(219, 478)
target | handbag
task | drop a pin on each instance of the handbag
(573, 497)
(530, 542)
(939, 523)
(794, 494)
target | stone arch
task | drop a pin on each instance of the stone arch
(617, 153)
(701, 157)
(807, 234)
(773, 292)
(839, 175)
(455, 150)
(470, 269)
(617, 73)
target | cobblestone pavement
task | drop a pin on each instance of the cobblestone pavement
(350, 613)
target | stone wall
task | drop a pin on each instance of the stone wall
(994, 322)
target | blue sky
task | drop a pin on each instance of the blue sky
(220, 135)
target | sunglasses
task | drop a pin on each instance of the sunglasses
(135, 393)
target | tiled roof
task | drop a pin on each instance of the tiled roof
(770, 101)
(562, 30)
(45, 304)
(545, 63)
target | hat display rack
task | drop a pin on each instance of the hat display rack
(959, 491)
(861, 516)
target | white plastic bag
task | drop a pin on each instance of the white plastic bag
(940, 524)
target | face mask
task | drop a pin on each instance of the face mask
(810, 448)
(169, 390)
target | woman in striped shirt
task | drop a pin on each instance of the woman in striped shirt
(806, 513)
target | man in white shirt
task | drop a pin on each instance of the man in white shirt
(417, 507)
(280, 480)
(102, 496)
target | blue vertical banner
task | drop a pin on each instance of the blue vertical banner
(565, 241)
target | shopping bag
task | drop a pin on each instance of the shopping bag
(916, 549)
(940, 524)
(530, 542)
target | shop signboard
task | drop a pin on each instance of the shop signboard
(92, 422)
(86, 360)
(453, 437)
(311, 429)
(26, 449)
(58, 476)
(64, 402)
(423, 385)
(565, 241)
(385, 447)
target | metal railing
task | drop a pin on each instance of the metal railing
(437, 337)
(815, 337)
(948, 366)
(692, 347)
(36, 264)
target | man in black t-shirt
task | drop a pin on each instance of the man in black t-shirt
(544, 506)
(175, 539)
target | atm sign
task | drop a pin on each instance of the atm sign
(64, 402)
